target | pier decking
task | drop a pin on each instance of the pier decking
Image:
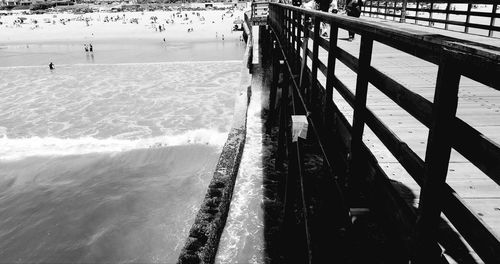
(382, 108)
(478, 105)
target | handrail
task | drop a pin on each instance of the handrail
(400, 9)
(455, 58)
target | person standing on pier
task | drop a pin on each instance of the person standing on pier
(309, 4)
(353, 9)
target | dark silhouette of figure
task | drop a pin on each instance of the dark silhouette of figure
(353, 8)
(51, 66)
(91, 48)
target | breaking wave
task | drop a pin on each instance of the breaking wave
(19, 148)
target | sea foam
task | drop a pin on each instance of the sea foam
(19, 148)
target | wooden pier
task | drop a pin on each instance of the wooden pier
(407, 123)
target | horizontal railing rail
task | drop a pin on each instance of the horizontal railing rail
(294, 27)
(441, 13)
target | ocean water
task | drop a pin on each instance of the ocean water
(120, 51)
(106, 162)
(242, 240)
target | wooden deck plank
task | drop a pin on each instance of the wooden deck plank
(478, 105)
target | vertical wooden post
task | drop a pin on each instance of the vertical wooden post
(335, 197)
(283, 126)
(332, 52)
(298, 241)
(467, 18)
(295, 24)
(385, 10)
(287, 29)
(371, 5)
(314, 67)
(492, 21)
(417, 6)
(329, 115)
(448, 5)
(437, 158)
(365, 55)
(283, 29)
(403, 11)
(303, 65)
(430, 14)
(299, 38)
(274, 86)
(378, 8)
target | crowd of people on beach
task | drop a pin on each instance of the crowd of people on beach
(156, 22)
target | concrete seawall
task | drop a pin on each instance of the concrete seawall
(203, 240)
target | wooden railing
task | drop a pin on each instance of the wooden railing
(458, 15)
(350, 160)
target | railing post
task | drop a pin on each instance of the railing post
(467, 18)
(437, 159)
(283, 121)
(492, 21)
(295, 242)
(329, 114)
(287, 29)
(294, 36)
(274, 85)
(417, 8)
(303, 64)
(403, 11)
(314, 65)
(448, 5)
(371, 4)
(385, 10)
(365, 55)
(430, 14)
(327, 105)
(299, 38)
(302, 186)
(394, 4)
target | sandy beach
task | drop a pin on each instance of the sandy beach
(125, 37)
(208, 26)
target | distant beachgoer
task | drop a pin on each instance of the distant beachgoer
(91, 48)
(51, 66)
(222, 36)
(164, 40)
(85, 47)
